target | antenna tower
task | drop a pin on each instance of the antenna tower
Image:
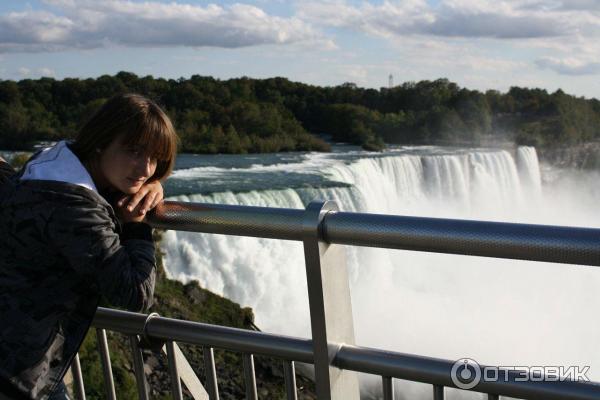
(391, 81)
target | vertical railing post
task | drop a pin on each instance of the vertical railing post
(250, 377)
(388, 387)
(174, 371)
(438, 392)
(109, 383)
(138, 368)
(330, 306)
(289, 373)
(78, 388)
(210, 372)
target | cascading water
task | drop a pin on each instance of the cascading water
(495, 311)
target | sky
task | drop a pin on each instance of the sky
(479, 44)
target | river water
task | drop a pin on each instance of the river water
(498, 312)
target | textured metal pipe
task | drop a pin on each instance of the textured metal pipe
(232, 339)
(211, 373)
(254, 342)
(265, 222)
(438, 372)
(289, 373)
(78, 387)
(174, 372)
(109, 383)
(438, 392)
(250, 377)
(138, 368)
(387, 383)
(126, 322)
(478, 238)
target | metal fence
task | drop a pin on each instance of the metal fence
(332, 351)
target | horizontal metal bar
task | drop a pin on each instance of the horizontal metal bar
(126, 322)
(559, 244)
(265, 222)
(284, 347)
(438, 372)
(361, 359)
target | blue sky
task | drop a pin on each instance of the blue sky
(480, 44)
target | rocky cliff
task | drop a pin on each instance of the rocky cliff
(581, 156)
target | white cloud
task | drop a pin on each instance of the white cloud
(25, 72)
(41, 27)
(569, 66)
(383, 20)
(354, 73)
(501, 19)
(584, 5)
(48, 72)
(92, 24)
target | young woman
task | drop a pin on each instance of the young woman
(73, 233)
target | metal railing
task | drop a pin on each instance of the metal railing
(322, 228)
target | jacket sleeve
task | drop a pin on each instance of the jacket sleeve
(123, 269)
(5, 171)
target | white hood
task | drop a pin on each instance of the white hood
(58, 163)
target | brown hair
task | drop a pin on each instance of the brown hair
(139, 122)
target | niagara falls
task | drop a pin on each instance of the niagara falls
(495, 311)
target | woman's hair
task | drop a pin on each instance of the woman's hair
(138, 121)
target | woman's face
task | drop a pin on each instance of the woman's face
(125, 168)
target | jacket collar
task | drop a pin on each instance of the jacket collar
(58, 163)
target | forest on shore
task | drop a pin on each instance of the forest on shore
(245, 115)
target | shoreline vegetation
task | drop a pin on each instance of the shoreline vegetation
(245, 115)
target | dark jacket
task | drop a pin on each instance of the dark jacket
(61, 251)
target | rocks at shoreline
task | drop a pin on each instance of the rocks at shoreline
(581, 156)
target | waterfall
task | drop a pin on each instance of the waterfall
(251, 271)
(432, 304)
(527, 162)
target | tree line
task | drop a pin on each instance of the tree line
(247, 115)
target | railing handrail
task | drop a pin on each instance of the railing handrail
(559, 244)
(248, 341)
(321, 228)
(423, 369)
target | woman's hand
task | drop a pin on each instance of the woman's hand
(134, 208)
